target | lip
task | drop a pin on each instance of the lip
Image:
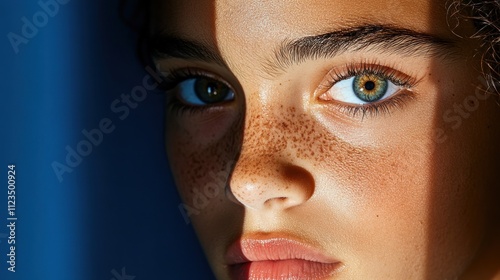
(278, 258)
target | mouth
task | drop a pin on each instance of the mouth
(278, 258)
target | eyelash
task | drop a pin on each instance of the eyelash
(385, 106)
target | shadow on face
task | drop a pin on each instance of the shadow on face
(346, 128)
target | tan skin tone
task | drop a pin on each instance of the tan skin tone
(406, 193)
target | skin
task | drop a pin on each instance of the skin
(409, 194)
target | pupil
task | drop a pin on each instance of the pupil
(211, 90)
(370, 85)
(370, 88)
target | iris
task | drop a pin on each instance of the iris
(211, 91)
(369, 88)
(202, 91)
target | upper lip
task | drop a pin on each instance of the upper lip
(274, 248)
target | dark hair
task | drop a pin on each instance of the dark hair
(486, 17)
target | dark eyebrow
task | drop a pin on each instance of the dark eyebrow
(168, 46)
(380, 38)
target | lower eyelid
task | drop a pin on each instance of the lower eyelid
(380, 108)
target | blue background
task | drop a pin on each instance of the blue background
(118, 208)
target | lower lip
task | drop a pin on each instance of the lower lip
(283, 269)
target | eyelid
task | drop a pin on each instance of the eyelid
(347, 71)
(172, 78)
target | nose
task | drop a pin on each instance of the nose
(266, 183)
(267, 175)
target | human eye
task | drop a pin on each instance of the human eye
(367, 89)
(196, 90)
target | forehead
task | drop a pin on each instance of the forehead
(245, 21)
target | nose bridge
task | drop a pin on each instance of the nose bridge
(264, 133)
(270, 131)
(266, 174)
(272, 124)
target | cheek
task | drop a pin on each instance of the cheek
(378, 194)
(202, 149)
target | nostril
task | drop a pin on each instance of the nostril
(284, 202)
(274, 185)
(275, 201)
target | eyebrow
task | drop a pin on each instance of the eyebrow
(379, 38)
(168, 46)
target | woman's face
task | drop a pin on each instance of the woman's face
(329, 139)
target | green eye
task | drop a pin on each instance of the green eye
(364, 88)
(369, 88)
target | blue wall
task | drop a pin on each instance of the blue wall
(112, 211)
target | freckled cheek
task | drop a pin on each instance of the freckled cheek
(201, 151)
(201, 160)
